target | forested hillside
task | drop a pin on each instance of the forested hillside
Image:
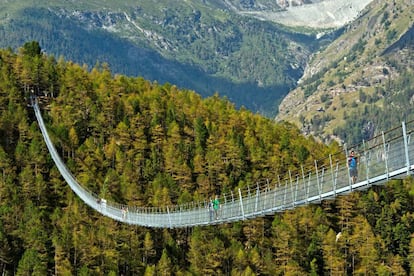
(140, 143)
(195, 44)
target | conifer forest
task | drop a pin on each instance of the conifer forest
(142, 143)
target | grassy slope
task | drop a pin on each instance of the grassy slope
(342, 79)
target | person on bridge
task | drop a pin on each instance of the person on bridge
(216, 206)
(353, 166)
(124, 212)
(210, 209)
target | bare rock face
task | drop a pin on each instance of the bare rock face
(324, 13)
(308, 13)
(291, 3)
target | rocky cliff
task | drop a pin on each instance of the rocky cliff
(302, 13)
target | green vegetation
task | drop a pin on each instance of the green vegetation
(140, 143)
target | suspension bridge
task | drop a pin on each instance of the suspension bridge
(385, 157)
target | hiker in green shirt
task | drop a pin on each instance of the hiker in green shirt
(216, 206)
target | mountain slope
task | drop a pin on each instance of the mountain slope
(191, 44)
(362, 82)
(206, 46)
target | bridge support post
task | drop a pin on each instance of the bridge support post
(169, 217)
(296, 188)
(277, 191)
(232, 204)
(304, 184)
(256, 203)
(317, 180)
(291, 189)
(385, 154)
(332, 174)
(267, 190)
(322, 179)
(407, 156)
(366, 162)
(241, 204)
(347, 167)
(223, 211)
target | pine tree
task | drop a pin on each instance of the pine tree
(281, 233)
(207, 253)
(164, 266)
(363, 247)
(334, 259)
(149, 251)
(31, 264)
